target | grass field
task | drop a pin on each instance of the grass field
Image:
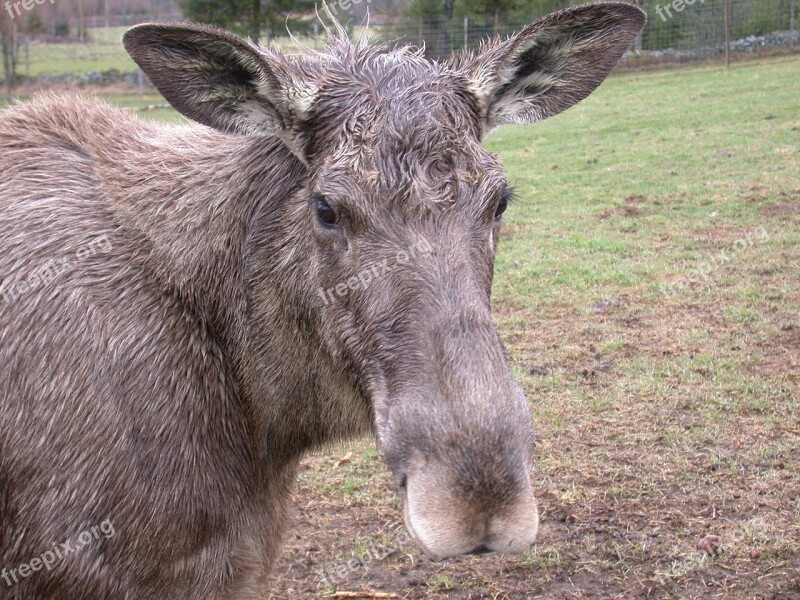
(103, 51)
(647, 293)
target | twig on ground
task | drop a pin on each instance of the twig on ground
(363, 595)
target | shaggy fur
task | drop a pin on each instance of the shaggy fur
(168, 377)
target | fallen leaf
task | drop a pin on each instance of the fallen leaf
(344, 460)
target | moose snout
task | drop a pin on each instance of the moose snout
(459, 440)
(451, 516)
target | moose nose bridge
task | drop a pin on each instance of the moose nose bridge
(465, 340)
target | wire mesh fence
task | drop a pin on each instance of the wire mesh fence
(87, 50)
(677, 30)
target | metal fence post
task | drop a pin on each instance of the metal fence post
(727, 34)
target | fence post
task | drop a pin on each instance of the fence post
(14, 57)
(727, 34)
(27, 67)
(81, 31)
(638, 43)
(466, 35)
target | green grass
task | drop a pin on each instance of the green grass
(687, 147)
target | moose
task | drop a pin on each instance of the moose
(169, 382)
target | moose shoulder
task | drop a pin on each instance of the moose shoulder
(167, 354)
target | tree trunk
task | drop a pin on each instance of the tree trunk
(8, 71)
(255, 26)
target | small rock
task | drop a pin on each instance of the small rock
(540, 371)
(710, 544)
(603, 367)
(604, 305)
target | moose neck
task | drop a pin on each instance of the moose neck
(196, 215)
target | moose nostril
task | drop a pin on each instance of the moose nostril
(480, 549)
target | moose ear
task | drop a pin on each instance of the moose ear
(552, 64)
(220, 80)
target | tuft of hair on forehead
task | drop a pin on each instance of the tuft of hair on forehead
(360, 55)
(365, 88)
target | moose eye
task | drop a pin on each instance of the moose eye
(325, 213)
(503, 204)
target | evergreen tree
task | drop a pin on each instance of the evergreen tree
(251, 17)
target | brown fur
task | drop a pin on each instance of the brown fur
(171, 382)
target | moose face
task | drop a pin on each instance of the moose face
(397, 223)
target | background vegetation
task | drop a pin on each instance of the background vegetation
(440, 25)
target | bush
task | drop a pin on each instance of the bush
(61, 29)
(34, 23)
